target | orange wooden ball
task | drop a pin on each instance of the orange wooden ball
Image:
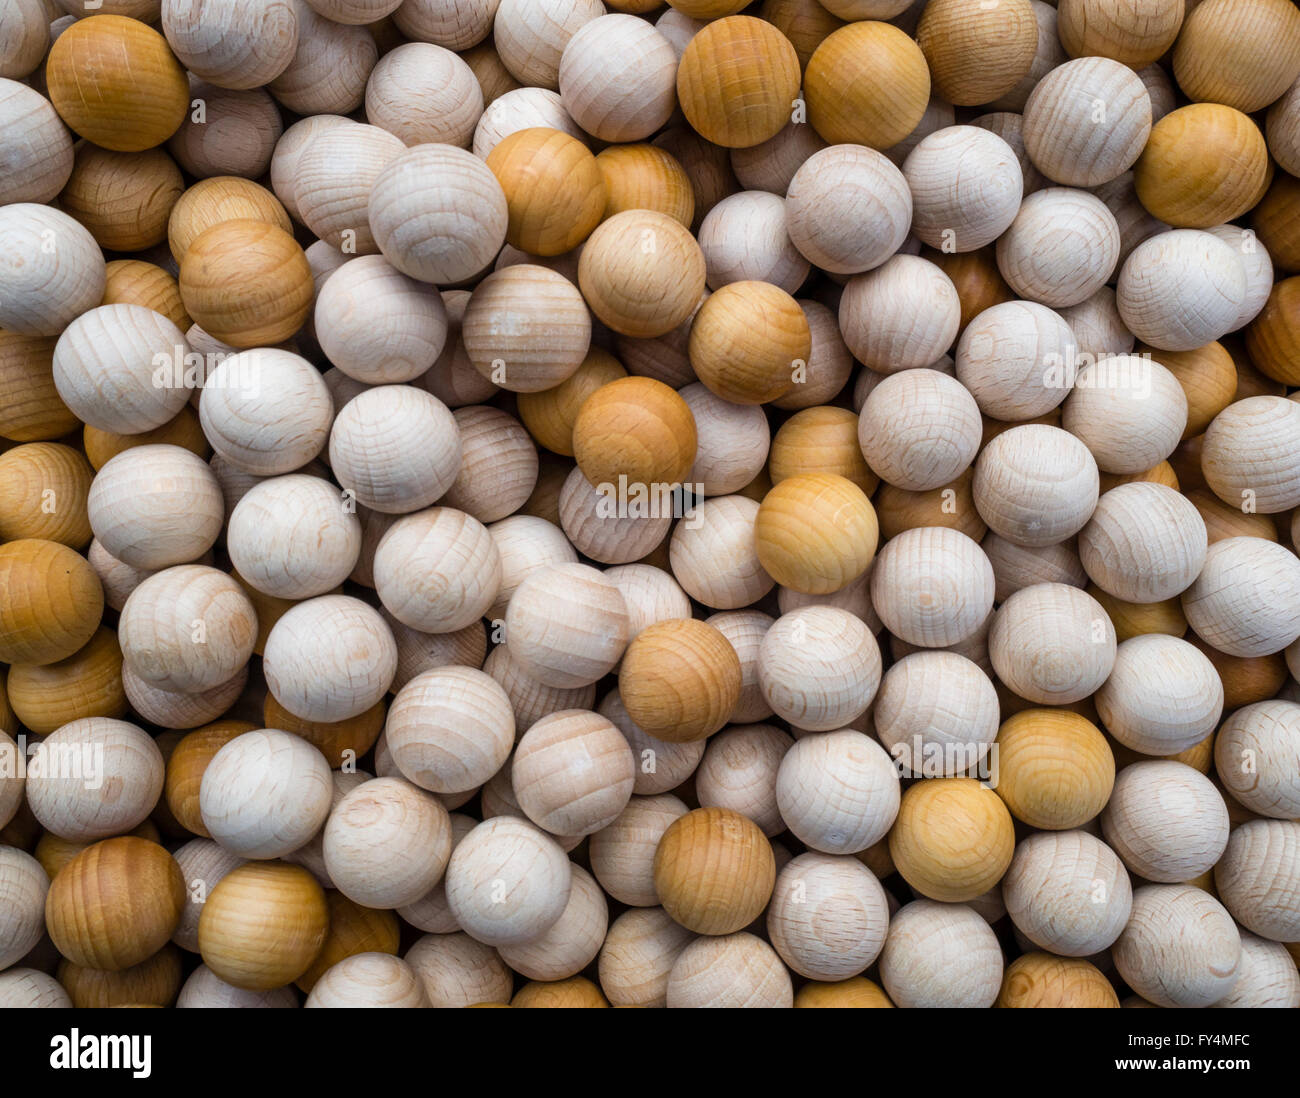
(1273, 338)
(31, 409)
(186, 765)
(115, 82)
(645, 177)
(115, 904)
(555, 193)
(263, 925)
(551, 414)
(821, 439)
(247, 283)
(353, 929)
(738, 81)
(86, 684)
(1277, 221)
(154, 982)
(1133, 32)
(635, 428)
(575, 993)
(953, 839)
(749, 342)
(1055, 769)
(222, 198)
(977, 51)
(1244, 53)
(975, 277)
(1041, 980)
(184, 431)
(52, 603)
(714, 871)
(1203, 164)
(680, 680)
(856, 993)
(43, 491)
(867, 84)
(135, 282)
(123, 199)
(338, 741)
(816, 533)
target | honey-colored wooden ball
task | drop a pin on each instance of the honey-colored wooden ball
(953, 839)
(634, 428)
(53, 601)
(737, 81)
(550, 414)
(680, 680)
(134, 282)
(747, 342)
(822, 439)
(941, 955)
(856, 993)
(152, 983)
(642, 273)
(1181, 176)
(263, 925)
(555, 193)
(1245, 600)
(1133, 32)
(30, 406)
(43, 490)
(738, 883)
(246, 283)
(1055, 770)
(644, 177)
(977, 53)
(1042, 981)
(801, 546)
(86, 684)
(866, 84)
(222, 198)
(139, 95)
(1273, 338)
(1243, 55)
(124, 199)
(115, 904)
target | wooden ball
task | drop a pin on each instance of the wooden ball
(555, 194)
(814, 892)
(30, 406)
(1180, 948)
(522, 109)
(1017, 359)
(642, 273)
(635, 430)
(819, 668)
(333, 179)
(1052, 644)
(821, 439)
(1166, 821)
(627, 101)
(457, 971)
(1062, 136)
(38, 146)
(1243, 55)
(229, 43)
(573, 773)
(53, 605)
(1040, 980)
(571, 943)
(1129, 411)
(715, 558)
(246, 283)
(536, 875)
(525, 545)
(531, 38)
(43, 490)
(847, 209)
(1251, 754)
(615, 522)
(800, 546)
(424, 94)
(1036, 485)
(151, 983)
(86, 684)
(1246, 601)
(643, 177)
(1145, 543)
(672, 763)
(623, 853)
(919, 429)
(680, 680)
(329, 69)
(866, 84)
(736, 970)
(263, 925)
(932, 586)
(1055, 769)
(1250, 454)
(526, 328)
(32, 989)
(139, 96)
(186, 765)
(222, 198)
(26, 38)
(741, 873)
(387, 843)
(124, 199)
(941, 955)
(499, 465)
(771, 165)
(249, 125)
(748, 342)
(1067, 892)
(737, 81)
(22, 915)
(855, 993)
(638, 955)
(924, 849)
(1283, 131)
(976, 53)
(1177, 175)
(838, 791)
(966, 188)
(902, 315)
(550, 414)
(134, 282)
(1134, 34)
(1267, 975)
(1062, 247)
(329, 658)
(43, 289)
(739, 771)
(732, 441)
(367, 979)
(1257, 879)
(1273, 340)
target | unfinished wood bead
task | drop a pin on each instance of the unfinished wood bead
(1130, 412)
(45, 289)
(1257, 878)
(932, 586)
(1052, 644)
(567, 625)
(919, 429)
(643, 177)
(38, 148)
(623, 853)
(124, 199)
(233, 45)
(735, 970)
(1061, 248)
(1144, 543)
(22, 915)
(1044, 981)
(1246, 601)
(637, 956)
(627, 101)
(54, 605)
(817, 899)
(966, 187)
(573, 773)
(922, 846)
(249, 126)
(328, 71)
(739, 770)
(1166, 821)
(1133, 33)
(838, 791)
(745, 237)
(941, 955)
(977, 54)
(1250, 454)
(1017, 359)
(738, 884)
(1253, 757)
(43, 489)
(902, 315)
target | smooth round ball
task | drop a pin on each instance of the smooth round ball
(567, 625)
(680, 680)
(37, 157)
(815, 532)
(1251, 454)
(819, 668)
(919, 429)
(24, 889)
(735, 970)
(838, 792)
(1055, 769)
(1144, 543)
(932, 586)
(977, 53)
(1257, 878)
(1062, 247)
(1254, 756)
(1166, 820)
(828, 917)
(714, 871)
(636, 431)
(941, 955)
(903, 315)
(44, 289)
(626, 101)
(1246, 601)
(1052, 644)
(53, 601)
(966, 188)
(555, 194)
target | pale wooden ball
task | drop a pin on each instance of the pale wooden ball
(714, 557)
(508, 882)
(738, 772)
(530, 699)
(627, 100)
(819, 668)
(1036, 485)
(38, 148)
(154, 506)
(572, 942)
(1283, 130)
(1267, 976)
(450, 729)
(232, 44)
(288, 149)
(31, 989)
(733, 441)
(660, 765)
(1246, 601)
(613, 528)
(1181, 289)
(332, 182)
(525, 544)
(294, 537)
(396, 448)
(1257, 878)
(1129, 411)
(936, 714)
(932, 586)
(1087, 121)
(1062, 247)
(567, 625)
(22, 915)
(387, 843)
(265, 794)
(1144, 543)
(919, 429)
(745, 237)
(1067, 892)
(638, 955)
(368, 980)
(650, 594)
(1254, 756)
(745, 630)
(24, 38)
(68, 798)
(1252, 454)
(329, 658)
(573, 773)
(623, 853)
(1052, 644)
(838, 792)
(848, 209)
(1163, 696)
(424, 94)
(1097, 326)
(1180, 948)
(499, 465)
(940, 955)
(249, 126)
(1018, 359)
(902, 315)
(45, 290)
(736, 970)
(329, 69)
(966, 188)
(829, 917)
(522, 109)
(457, 971)
(531, 35)
(771, 165)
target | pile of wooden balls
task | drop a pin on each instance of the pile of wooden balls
(567, 503)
